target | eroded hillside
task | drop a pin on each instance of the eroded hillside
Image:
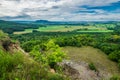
(90, 64)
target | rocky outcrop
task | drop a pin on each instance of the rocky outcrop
(8, 45)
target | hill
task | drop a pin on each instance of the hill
(60, 22)
(10, 27)
(86, 56)
(15, 64)
(42, 21)
(47, 22)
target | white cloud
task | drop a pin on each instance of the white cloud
(55, 9)
(93, 17)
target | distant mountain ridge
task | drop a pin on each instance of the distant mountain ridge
(10, 26)
(47, 22)
(59, 22)
(42, 21)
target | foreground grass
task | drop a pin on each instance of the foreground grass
(92, 55)
(22, 67)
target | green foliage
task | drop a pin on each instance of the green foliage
(50, 53)
(3, 35)
(8, 64)
(115, 77)
(38, 56)
(55, 77)
(108, 47)
(92, 67)
(117, 29)
(17, 66)
(115, 56)
(119, 63)
(10, 27)
(108, 43)
(22, 67)
(29, 71)
(26, 46)
(54, 53)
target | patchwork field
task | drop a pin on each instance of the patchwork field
(66, 28)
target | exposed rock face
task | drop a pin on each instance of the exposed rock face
(8, 45)
(81, 71)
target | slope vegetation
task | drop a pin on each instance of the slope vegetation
(88, 55)
(15, 65)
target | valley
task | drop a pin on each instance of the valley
(90, 50)
(59, 39)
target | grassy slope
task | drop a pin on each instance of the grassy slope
(89, 54)
(15, 65)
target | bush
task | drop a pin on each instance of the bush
(115, 56)
(51, 54)
(115, 77)
(92, 67)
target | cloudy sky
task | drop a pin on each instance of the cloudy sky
(60, 10)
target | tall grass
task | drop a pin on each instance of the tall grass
(19, 67)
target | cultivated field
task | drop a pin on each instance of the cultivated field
(24, 32)
(66, 28)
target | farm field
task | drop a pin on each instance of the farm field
(24, 32)
(92, 55)
(95, 31)
(66, 28)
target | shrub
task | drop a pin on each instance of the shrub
(115, 56)
(115, 77)
(51, 53)
(92, 67)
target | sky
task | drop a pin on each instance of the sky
(60, 10)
